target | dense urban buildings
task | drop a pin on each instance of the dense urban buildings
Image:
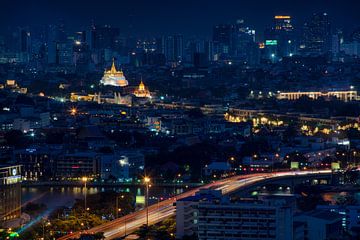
(180, 120)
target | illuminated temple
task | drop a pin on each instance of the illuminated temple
(142, 91)
(114, 77)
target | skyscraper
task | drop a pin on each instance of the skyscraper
(317, 34)
(172, 47)
(105, 37)
(223, 40)
(280, 39)
(243, 41)
(283, 23)
(25, 41)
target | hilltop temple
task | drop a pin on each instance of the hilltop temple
(142, 91)
(114, 77)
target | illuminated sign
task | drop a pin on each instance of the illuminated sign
(140, 200)
(12, 180)
(282, 17)
(335, 166)
(294, 165)
(271, 42)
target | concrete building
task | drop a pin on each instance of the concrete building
(211, 216)
(341, 95)
(78, 164)
(187, 212)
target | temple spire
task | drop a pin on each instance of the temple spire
(113, 68)
(141, 85)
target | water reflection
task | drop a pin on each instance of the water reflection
(54, 197)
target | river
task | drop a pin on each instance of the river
(55, 197)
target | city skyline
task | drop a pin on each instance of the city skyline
(143, 18)
(179, 120)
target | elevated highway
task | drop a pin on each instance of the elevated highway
(164, 209)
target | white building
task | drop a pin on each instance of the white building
(211, 217)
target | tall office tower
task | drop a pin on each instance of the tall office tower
(243, 41)
(10, 195)
(80, 37)
(65, 52)
(105, 37)
(283, 23)
(25, 45)
(317, 35)
(209, 50)
(90, 36)
(172, 47)
(192, 47)
(223, 40)
(81, 55)
(280, 39)
(25, 41)
(2, 45)
(55, 35)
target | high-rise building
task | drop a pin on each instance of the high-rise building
(25, 41)
(55, 35)
(10, 195)
(243, 41)
(223, 40)
(64, 52)
(317, 35)
(105, 37)
(279, 39)
(209, 50)
(283, 23)
(172, 47)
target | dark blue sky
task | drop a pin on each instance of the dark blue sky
(191, 17)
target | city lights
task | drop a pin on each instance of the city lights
(181, 120)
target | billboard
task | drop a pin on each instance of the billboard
(271, 42)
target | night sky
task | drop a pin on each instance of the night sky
(153, 17)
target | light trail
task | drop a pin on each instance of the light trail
(164, 209)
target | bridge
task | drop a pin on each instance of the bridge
(164, 209)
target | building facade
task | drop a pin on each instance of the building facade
(210, 216)
(10, 195)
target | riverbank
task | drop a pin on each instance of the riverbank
(103, 184)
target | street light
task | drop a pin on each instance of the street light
(85, 179)
(147, 181)
(117, 209)
(73, 111)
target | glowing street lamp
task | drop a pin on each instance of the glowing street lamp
(73, 111)
(147, 181)
(85, 179)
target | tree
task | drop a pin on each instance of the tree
(15, 138)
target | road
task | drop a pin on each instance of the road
(164, 209)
